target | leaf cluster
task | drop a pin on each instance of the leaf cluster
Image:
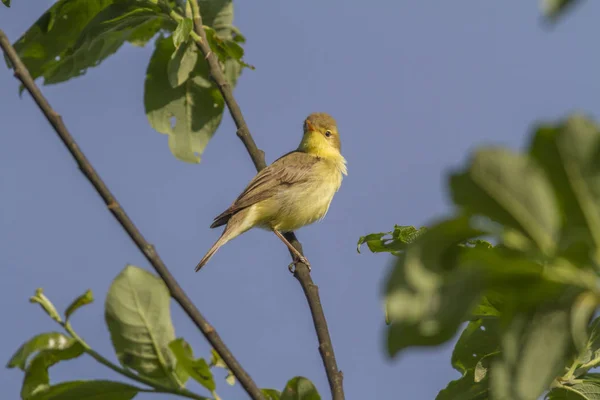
(527, 302)
(137, 313)
(180, 98)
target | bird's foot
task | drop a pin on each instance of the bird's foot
(299, 259)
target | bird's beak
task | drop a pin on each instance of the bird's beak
(310, 127)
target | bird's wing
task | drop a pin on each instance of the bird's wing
(289, 169)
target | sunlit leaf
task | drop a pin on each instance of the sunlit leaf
(427, 297)
(535, 348)
(103, 36)
(190, 113)
(139, 320)
(477, 346)
(44, 45)
(198, 369)
(36, 378)
(41, 299)
(182, 32)
(300, 388)
(394, 241)
(79, 302)
(182, 63)
(96, 390)
(41, 342)
(570, 153)
(511, 189)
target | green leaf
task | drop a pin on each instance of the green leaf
(6, 3)
(587, 388)
(198, 369)
(45, 303)
(225, 49)
(36, 375)
(570, 153)
(146, 31)
(476, 347)
(96, 390)
(217, 361)
(41, 342)
(190, 113)
(300, 388)
(102, 37)
(271, 394)
(139, 320)
(182, 32)
(555, 8)
(535, 348)
(392, 242)
(427, 297)
(510, 189)
(182, 64)
(79, 302)
(44, 45)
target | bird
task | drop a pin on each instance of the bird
(294, 191)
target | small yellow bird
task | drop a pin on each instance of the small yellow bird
(294, 191)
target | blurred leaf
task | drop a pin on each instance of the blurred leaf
(45, 303)
(139, 320)
(96, 390)
(41, 342)
(182, 64)
(103, 36)
(198, 369)
(271, 394)
(570, 153)
(535, 348)
(182, 32)
(190, 113)
(79, 302)
(427, 297)
(6, 3)
(36, 375)
(394, 241)
(300, 388)
(555, 8)
(217, 361)
(511, 189)
(47, 41)
(588, 388)
(477, 346)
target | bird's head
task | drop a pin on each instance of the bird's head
(321, 136)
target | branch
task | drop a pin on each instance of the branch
(302, 274)
(22, 74)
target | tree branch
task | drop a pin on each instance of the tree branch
(22, 74)
(302, 273)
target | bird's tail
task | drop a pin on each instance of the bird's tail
(225, 237)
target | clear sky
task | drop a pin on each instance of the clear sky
(414, 86)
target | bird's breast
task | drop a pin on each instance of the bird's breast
(306, 202)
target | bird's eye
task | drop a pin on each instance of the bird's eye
(328, 133)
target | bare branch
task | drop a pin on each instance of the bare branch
(152, 256)
(302, 273)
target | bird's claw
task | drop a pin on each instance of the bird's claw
(301, 259)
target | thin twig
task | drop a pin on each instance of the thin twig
(302, 273)
(152, 256)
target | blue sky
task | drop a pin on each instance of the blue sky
(414, 86)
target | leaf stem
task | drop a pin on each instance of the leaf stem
(176, 291)
(302, 273)
(159, 388)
